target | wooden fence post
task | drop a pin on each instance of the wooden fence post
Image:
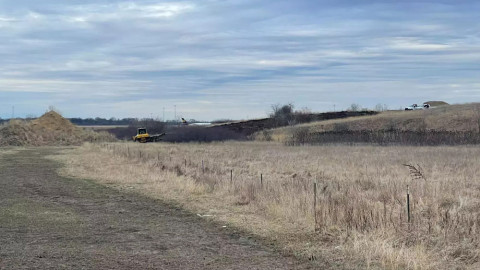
(408, 205)
(315, 205)
(231, 176)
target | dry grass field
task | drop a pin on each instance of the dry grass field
(361, 216)
(463, 117)
(52, 222)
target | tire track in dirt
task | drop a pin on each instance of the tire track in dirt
(52, 222)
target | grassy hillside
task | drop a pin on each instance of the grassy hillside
(249, 127)
(464, 117)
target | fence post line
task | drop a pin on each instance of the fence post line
(261, 180)
(185, 163)
(315, 205)
(231, 176)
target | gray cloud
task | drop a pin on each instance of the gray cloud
(216, 59)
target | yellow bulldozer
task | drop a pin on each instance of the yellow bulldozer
(143, 136)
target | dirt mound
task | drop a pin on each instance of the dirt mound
(54, 122)
(50, 129)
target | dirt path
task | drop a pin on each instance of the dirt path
(51, 222)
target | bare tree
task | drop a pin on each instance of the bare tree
(381, 107)
(282, 114)
(355, 107)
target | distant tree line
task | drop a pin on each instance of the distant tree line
(285, 115)
(97, 121)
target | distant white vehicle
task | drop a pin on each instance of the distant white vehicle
(415, 107)
(201, 124)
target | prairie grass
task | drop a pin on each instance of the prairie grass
(457, 118)
(361, 217)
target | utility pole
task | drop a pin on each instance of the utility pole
(164, 114)
(333, 107)
(175, 113)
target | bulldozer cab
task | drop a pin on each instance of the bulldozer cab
(141, 131)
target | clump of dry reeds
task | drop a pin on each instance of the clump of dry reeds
(415, 172)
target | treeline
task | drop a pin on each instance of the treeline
(121, 122)
(288, 117)
(97, 121)
(285, 115)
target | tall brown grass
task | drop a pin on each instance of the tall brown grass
(451, 118)
(361, 211)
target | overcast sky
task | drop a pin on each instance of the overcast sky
(233, 59)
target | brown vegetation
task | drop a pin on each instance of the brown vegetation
(452, 118)
(283, 119)
(267, 188)
(52, 222)
(50, 129)
(302, 136)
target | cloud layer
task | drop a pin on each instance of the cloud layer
(233, 59)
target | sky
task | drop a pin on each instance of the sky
(233, 59)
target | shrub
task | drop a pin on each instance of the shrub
(301, 136)
(282, 114)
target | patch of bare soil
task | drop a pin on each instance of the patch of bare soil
(51, 222)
